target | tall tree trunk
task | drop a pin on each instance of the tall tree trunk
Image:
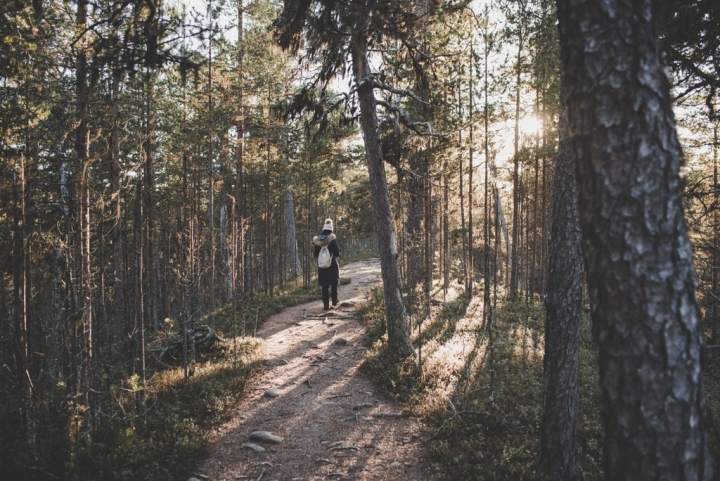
(562, 322)
(397, 325)
(461, 176)
(502, 226)
(239, 181)
(269, 260)
(149, 146)
(470, 262)
(646, 319)
(446, 229)
(418, 161)
(138, 332)
(291, 250)
(513, 260)
(20, 311)
(211, 170)
(81, 407)
(225, 243)
(118, 303)
(715, 258)
(487, 308)
(428, 261)
(415, 213)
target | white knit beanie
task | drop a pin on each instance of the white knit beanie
(328, 225)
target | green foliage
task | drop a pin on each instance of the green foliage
(258, 308)
(174, 438)
(481, 435)
(179, 416)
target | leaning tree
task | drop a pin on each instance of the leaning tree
(338, 37)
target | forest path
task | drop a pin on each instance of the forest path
(332, 424)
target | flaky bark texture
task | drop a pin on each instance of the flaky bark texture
(562, 322)
(635, 243)
(397, 325)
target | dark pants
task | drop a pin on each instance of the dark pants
(326, 295)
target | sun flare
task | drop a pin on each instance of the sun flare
(530, 125)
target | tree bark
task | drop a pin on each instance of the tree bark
(149, 146)
(21, 329)
(211, 171)
(291, 250)
(461, 175)
(513, 258)
(239, 181)
(470, 260)
(397, 325)
(118, 304)
(487, 311)
(81, 417)
(646, 319)
(562, 322)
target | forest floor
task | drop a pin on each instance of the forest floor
(332, 423)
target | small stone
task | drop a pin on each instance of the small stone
(325, 371)
(266, 437)
(336, 444)
(276, 362)
(359, 406)
(255, 447)
(340, 341)
(272, 393)
(361, 348)
(394, 465)
(323, 443)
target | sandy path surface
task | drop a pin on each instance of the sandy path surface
(332, 423)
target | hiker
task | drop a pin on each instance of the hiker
(328, 268)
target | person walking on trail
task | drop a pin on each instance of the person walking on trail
(327, 252)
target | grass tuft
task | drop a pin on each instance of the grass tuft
(477, 433)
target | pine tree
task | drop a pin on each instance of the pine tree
(646, 320)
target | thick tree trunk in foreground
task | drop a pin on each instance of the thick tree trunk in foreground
(637, 253)
(397, 325)
(562, 323)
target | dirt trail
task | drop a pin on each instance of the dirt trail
(332, 423)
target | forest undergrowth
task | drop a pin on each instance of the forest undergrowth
(482, 428)
(165, 439)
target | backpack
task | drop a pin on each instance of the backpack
(324, 258)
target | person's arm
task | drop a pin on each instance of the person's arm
(316, 251)
(335, 249)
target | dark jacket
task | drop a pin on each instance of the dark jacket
(331, 275)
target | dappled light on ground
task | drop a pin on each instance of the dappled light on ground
(312, 362)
